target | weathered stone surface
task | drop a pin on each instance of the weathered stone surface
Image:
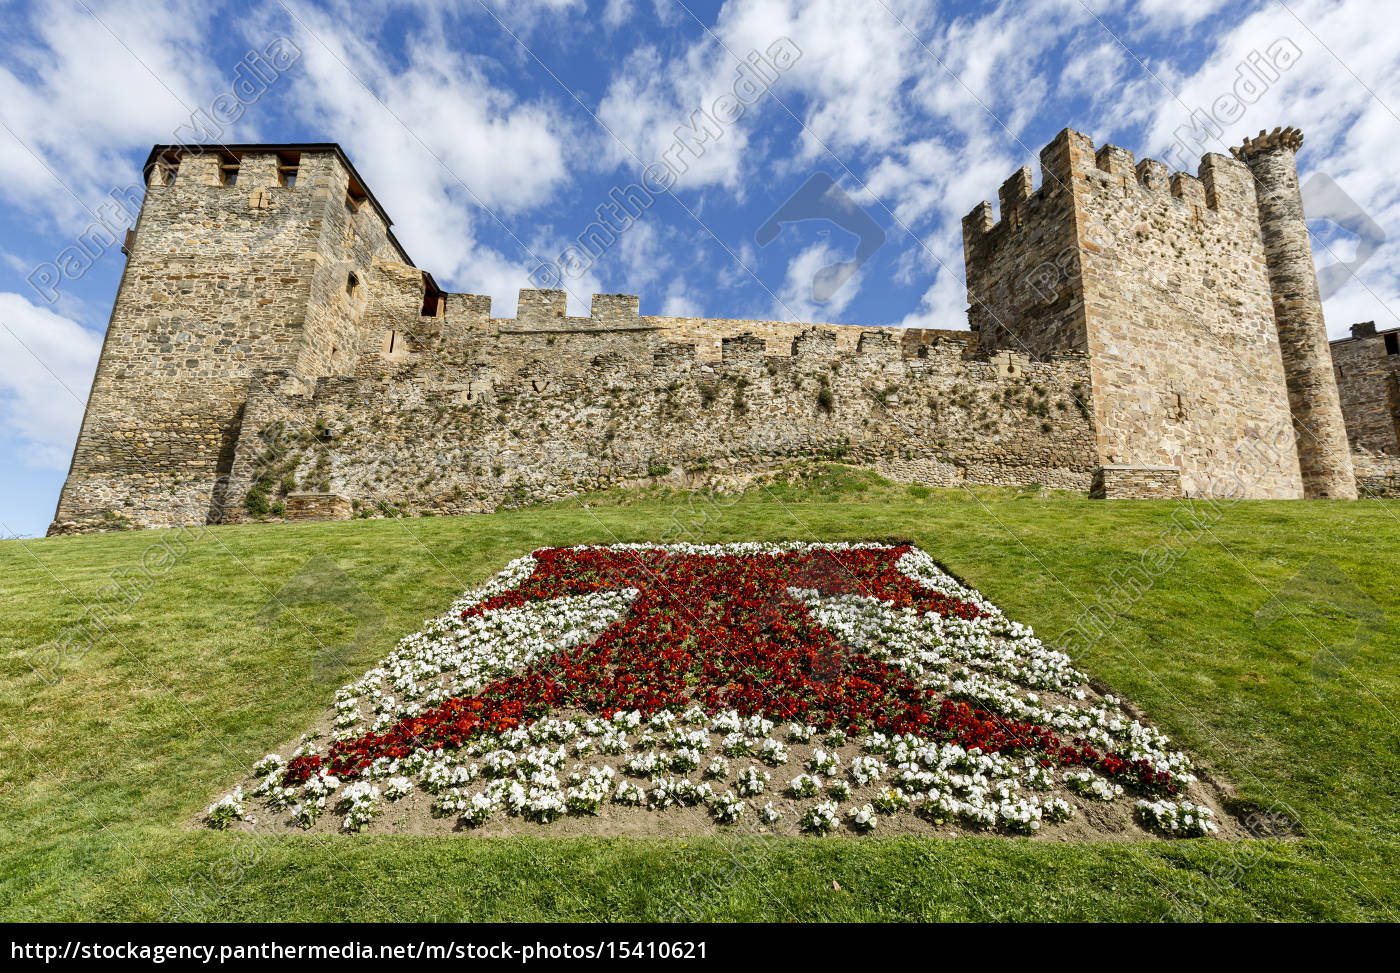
(1367, 370)
(1164, 283)
(1136, 483)
(1377, 475)
(272, 344)
(318, 506)
(1323, 455)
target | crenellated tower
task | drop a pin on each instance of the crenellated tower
(1323, 453)
(1194, 297)
(245, 258)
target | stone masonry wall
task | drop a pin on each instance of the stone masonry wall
(1161, 279)
(272, 341)
(1136, 483)
(1187, 370)
(1368, 381)
(1377, 475)
(1025, 287)
(508, 416)
(221, 280)
(1324, 458)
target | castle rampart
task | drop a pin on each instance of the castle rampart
(498, 422)
(1161, 279)
(1367, 370)
(273, 351)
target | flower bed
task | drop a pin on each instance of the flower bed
(837, 687)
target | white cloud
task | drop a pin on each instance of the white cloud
(943, 305)
(797, 298)
(616, 13)
(49, 362)
(1351, 130)
(447, 151)
(80, 89)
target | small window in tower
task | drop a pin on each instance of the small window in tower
(287, 164)
(352, 284)
(355, 196)
(166, 170)
(228, 171)
(1392, 344)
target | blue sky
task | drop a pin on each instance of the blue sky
(493, 131)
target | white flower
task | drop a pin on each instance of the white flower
(752, 781)
(226, 810)
(863, 817)
(822, 818)
(726, 808)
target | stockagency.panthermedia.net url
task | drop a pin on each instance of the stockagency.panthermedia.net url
(207, 954)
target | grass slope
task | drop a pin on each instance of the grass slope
(102, 770)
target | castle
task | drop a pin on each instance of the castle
(273, 351)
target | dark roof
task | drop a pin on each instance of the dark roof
(237, 147)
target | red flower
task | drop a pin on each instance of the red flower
(722, 632)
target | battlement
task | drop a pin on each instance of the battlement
(1280, 138)
(1071, 164)
(1124, 319)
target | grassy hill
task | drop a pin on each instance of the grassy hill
(1264, 642)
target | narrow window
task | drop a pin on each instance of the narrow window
(352, 284)
(1392, 344)
(228, 170)
(355, 196)
(287, 164)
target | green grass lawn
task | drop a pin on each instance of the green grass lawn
(111, 751)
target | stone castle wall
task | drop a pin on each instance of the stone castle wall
(508, 416)
(1367, 371)
(1377, 474)
(1323, 456)
(272, 350)
(221, 280)
(1161, 279)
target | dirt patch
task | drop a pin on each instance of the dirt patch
(1093, 819)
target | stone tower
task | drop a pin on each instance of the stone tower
(245, 258)
(1161, 279)
(1323, 453)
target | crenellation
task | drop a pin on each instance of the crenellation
(979, 222)
(540, 307)
(1190, 190)
(1228, 186)
(1013, 192)
(744, 347)
(616, 309)
(273, 351)
(1118, 163)
(1153, 175)
(1068, 159)
(879, 344)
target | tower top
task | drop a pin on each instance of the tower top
(1280, 138)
